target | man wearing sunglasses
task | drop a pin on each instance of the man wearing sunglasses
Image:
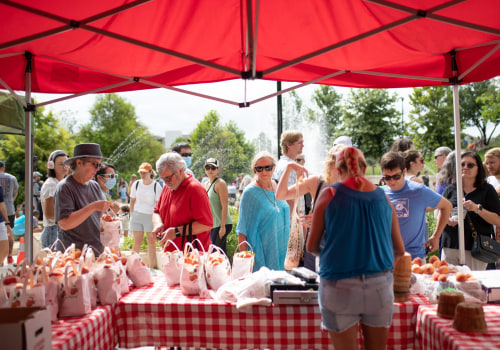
(79, 203)
(411, 200)
(184, 149)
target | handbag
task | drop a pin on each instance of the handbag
(295, 248)
(484, 248)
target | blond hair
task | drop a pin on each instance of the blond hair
(289, 137)
(353, 162)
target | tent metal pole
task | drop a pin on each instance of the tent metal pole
(460, 192)
(279, 119)
(28, 165)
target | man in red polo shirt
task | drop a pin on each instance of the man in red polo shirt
(183, 201)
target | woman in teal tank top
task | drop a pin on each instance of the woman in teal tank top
(362, 241)
(217, 195)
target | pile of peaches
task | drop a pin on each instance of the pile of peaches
(439, 270)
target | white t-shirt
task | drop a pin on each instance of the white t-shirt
(48, 190)
(493, 181)
(145, 197)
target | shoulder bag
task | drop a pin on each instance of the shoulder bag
(484, 248)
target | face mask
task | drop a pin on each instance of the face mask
(187, 160)
(110, 183)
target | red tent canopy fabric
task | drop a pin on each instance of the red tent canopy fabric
(123, 45)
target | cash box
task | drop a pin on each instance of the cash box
(294, 294)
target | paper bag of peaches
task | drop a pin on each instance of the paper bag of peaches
(433, 276)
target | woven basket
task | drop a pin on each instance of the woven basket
(447, 303)
(469, 317)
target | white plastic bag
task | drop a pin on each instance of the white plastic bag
(171, 264)
(192, 273)
(217, 267)
(110, 231)
(137, 271)
(243, 262)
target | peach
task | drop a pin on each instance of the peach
(435, 276)
(428, 269)
(433, 258)
(417, 261)
(443, 262)
(442, 278)
(443, 269)
(417, 269)
(461, 277)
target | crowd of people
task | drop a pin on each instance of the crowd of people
(354, 230)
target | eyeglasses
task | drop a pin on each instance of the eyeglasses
(392, 177)
(186, 154)
(96, 165)
(437, 156)
(210, 167)
(468, 165)
(259, 169)
(111, 176)
(299, 159)
(168, 178)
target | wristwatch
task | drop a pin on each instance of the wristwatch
(479, 208)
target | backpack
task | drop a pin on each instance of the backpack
(154, 187)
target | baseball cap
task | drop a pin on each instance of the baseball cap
(145, 167)
(343, 140)
(212, 161)
(36, 173)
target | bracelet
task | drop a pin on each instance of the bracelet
(177, 232)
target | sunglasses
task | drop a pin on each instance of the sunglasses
(96, 165)
(299, 159)
(186, 154)
(111, 176)
(210, 167)
(437, 156)
(168, 178)
(259, 169)
(392, 177)
(468, 165)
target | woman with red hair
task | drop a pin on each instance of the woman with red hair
(362, 244)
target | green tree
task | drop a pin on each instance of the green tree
(431, 119)
(114, 126)
(225, 142)
(479, 106)
(371, 120)
(49, 134)
(329, 102)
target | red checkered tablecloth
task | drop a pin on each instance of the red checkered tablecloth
(159, 315)
(95, 331)
(437, 333)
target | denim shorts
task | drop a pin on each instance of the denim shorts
(346, 302)
(141, 222)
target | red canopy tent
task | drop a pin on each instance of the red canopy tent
(91, 46)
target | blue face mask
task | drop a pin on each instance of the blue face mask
(110, 183)
(188, 161)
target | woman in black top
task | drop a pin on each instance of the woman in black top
(482, 206)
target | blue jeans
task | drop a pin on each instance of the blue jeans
(49, 236)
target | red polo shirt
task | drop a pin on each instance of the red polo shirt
(188, 203)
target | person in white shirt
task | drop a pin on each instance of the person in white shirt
(492, 163)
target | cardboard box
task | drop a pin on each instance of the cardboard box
(25, 329)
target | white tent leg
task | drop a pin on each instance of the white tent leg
(28, 167)
(460, 192)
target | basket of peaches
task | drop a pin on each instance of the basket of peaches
(440, 270)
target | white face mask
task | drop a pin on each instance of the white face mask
(110, 183)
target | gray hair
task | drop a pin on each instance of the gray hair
(260, 155)
(443, 150)
(447, 174)
(171, 161)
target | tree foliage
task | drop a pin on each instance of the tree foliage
(431, 119)
(371, 120)
(480, 106)
(114, 126)
(225, 142)
(49, 134)
(329, 102)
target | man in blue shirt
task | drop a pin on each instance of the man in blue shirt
(411, 200)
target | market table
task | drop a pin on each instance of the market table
(437, 333)
(95, 331)
(159, 315)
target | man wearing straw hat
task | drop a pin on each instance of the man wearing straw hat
(78, 200)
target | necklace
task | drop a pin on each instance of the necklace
(270, 200)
